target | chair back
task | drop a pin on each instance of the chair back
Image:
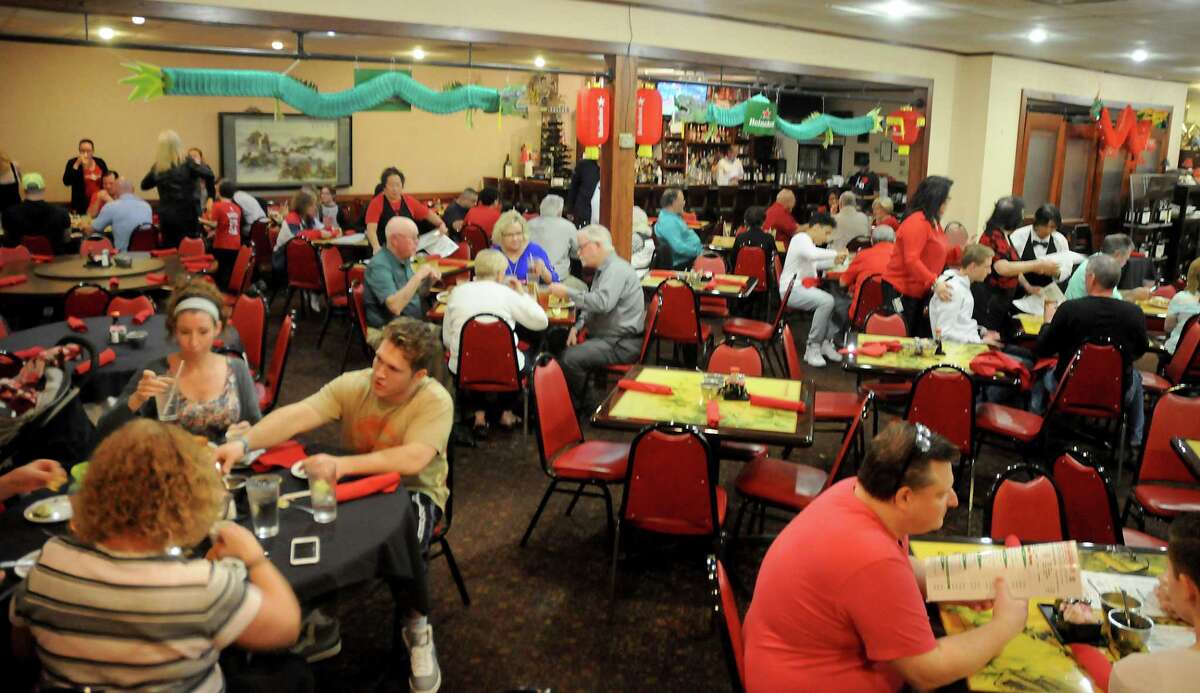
(709, 262)
(37, 245)
(1093, 384)
(463, 252)
(360, 308)
(663, 257)
(783, 305)
(260, 239)
(331, 268)
(487, 356)
(792, 354)
(18, 254)
(670, 482)
(190, 245)
(86, 301)
(249, 319)
(131, 305)
(558, 428)
(852, 433)
(95, 244)
(1176, 414)
(143, 239)
(1185, 362)
(477, 239)
(751, 261)
(242, 274)
(1166, 291)
(1030, 510)
(1089, 502)
(679, 313)
(357, 273)
(727, 356)
(731, 623)
(868, 300)
(651, 319)
(943, 398)
(279, 357)
(304, 266)
(890, 324)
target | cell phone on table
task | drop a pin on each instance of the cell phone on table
(306, 550)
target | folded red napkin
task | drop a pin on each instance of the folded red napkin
(1044, 363)
(989, 363)
(1012, 541)
(163, 252)
(810, 282)
(368, 486)
(143, 315)
(42, 258)
(106, 357)
(710, 286)
(652, 388)
(283, 455)
(726, 279)
(1093, 661)
(113, 282)
(453, 262)
(156, 277)
(713, 413)
(13, 280)
(875, 349)
(665, 274)
(30, 353)
(202, 257)
(776, 403)
(76, 324)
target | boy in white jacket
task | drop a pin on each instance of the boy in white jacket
(954, 316)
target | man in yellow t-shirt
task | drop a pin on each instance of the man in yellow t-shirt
(394, 419)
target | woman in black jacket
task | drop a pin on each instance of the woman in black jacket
(176, 178)
(81, 170)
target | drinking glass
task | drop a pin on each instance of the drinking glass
(262, 491)
(167, 403)
(322, 484)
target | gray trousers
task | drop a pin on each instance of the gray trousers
(580, 360)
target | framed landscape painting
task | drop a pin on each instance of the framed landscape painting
(260, 152)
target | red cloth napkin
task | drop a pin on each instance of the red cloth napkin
(283, 455)
(810, 282)
(42, 258)
(113, 282)
(106, 357)
(197, 258)
(163, 252)
(652, 388)
(1044, 363)
(713, 412)
(310, 235)
(13, 280)
(368, 486)
(875, 349)
(710, 286)
(1093, 662)
(734, 281)
(156, 277)
(989, 363)
(76, 324)
(30, 353)
(776, 403)
(143, 315)
(453, 262)
(665, 274)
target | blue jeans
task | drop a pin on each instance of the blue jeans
(1135, 413)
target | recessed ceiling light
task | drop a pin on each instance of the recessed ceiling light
(106, 33)
(1139, 55)
(277, 45)
(331, 33)
(539, 61)
(1037, 35)
(138, 20)
(897, 9)
(418, 53)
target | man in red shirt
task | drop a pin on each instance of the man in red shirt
(224, 221)
(868, 262)
(393, 202)
(107, 193)
(844, 610)
(779, 217)
(484, 214)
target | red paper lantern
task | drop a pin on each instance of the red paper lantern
(593, 107)
(648, 130)
(1139, 137)
(904, 127)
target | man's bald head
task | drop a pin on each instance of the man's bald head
(786, 198)
(124, 186)
(401, 234)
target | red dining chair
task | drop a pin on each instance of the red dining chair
(1184, 365)
(891, 393)
(144, 239)
(766, 334)
(751, 261)
(359, 311)
(131, 305)
(190, 246)
(728, 356)
(463, 252)
(567, 459)
(829, 406)
(357, 272)
(304, 272)
(268, 392)
(86, 301)
(887, 324)
(260, 240)
(1032, 510)
(1091, 507)
(487, 360)
(711, 306)
(3, 328)
(241, 275)
(1164, 486)
(620, 369)
(14, 255)
(868, 300)
(671, 488)
(249, 320)
(37, 245)
(725, 609)
(943, 398)
(477, 239)
(1166, 291)
(679, 319)
(95, 244)
(336, 294)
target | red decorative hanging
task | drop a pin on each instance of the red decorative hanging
(1139, 137)
(1112, 138)
(649, 120)
(904, 127)
(593, 108)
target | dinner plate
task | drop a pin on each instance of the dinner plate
(25, 563)
(50, 510)
(298, 470)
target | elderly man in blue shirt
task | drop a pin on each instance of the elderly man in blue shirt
(673, 230)
(124, 214)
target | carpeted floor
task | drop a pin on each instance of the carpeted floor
(540, 617)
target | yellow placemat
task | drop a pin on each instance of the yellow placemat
(1031, 324)
(651, 282)
(685, 405)
(957, 354)
(439, 312)
(1194, 445)
(726, 243)
(1152, 310)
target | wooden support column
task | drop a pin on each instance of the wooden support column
(617, 167)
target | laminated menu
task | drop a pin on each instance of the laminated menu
(1038, 570)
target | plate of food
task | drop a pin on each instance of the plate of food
(24, 564)
(298, 470)
(49, 510)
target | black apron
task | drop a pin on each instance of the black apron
(1039, 279)
(386, 215)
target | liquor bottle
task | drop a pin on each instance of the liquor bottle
(508, 169)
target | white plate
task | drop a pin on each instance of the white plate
(25, 563)
(59, 508)
(298, 470)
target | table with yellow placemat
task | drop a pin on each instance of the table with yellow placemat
(906, 361)
(725, 243)
(742, 421)
(561, 316)
(1031, 326)
(1155, 307)
(721, 285)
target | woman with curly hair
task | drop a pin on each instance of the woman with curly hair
(216, 391)
(114, 606)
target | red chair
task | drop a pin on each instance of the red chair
(1032, 511)
(189, 246)
(728, 356)
(130, 306)
(249, 319)
(766, 334)
(268, 393)
(356, 272)
(37, 245)
(1164, 486)
(829, 406)
(567, 459)
(726, 610)
(95, 244)
(336, 295)
(1166, 291)
(463, 252)
(14, 255)
(671, 488)
(711, 306)
(477, 239)
(751, 261)
(260, 240)
(304, 272)
(891, 393)
(888, 324)
(943, 398)
(359, 311)
(487, 360)
(144, 239)
(1184, 365)
(86, 301)
(439, 545)
(241, 275)
(679, 318)
(868, 300)
(1091, 507)
(620, 369)
(3, 327)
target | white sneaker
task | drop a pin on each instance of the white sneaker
(314, 302)
(830, 352)
(426, 676)
(812, 356)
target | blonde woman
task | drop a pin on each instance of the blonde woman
(176, 177)
(149, 617)
(10, 182)
(493, 293)
(1183, 305)
(510, 236)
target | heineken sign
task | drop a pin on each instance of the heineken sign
(760, 118)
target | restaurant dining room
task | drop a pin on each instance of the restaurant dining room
(595, 345)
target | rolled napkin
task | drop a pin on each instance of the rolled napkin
(989, 363)
(776, 403)
(202, 257)
(113, 282)
(30, 353)
(143, 315)
(713, 413)
(368, 486)
(106, 357)
(731, 280)
(663, 274)
(76, 324)
(810, 282)
(710, 286)
(42, 258)
(13, 280)
(283, 455)
(1093, 661)
(652, 388)
(163, 252)
(453, 262)
(875, 349)
(156, 277)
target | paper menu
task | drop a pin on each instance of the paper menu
(435, 243)
(1138, 587)
(1039, 570)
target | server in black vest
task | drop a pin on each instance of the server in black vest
(393, 202)
(1035, 242)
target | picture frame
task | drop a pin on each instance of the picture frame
(885, 150)
(262, 153)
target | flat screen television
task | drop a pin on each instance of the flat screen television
(669, 90)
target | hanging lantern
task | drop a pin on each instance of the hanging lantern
(648, 122)
(1139, 137)
(904, 127)
(592, 109)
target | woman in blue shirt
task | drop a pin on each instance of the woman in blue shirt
(510, 236)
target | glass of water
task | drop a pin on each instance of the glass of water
(262, 491)
(322, 483)
(167, 404)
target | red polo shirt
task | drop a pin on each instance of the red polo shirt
(782, 221)
(483, 216)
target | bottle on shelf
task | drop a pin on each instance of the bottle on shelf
(508, 167)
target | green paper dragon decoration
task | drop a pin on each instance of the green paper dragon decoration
(816, 125)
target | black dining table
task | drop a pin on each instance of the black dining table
(108, 381)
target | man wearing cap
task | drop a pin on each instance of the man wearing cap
(35, 217)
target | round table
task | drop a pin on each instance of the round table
(79, 268)
(38, 287)
(109, 380)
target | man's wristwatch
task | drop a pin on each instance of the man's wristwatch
(245, 445)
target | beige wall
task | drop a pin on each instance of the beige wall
(62, 94)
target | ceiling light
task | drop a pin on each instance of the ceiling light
(418, 53)
(1136, 56)
(277, 45)
(897, 9)
(331, 33)
(138, 20)
(106, 33)
(1037, 35)
(539, 62)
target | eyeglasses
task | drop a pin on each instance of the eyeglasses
(922, 442)
(512, 234)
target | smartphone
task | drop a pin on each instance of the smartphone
(306, 550)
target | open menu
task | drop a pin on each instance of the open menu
(1039, 570)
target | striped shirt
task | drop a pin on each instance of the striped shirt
(132, 622)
